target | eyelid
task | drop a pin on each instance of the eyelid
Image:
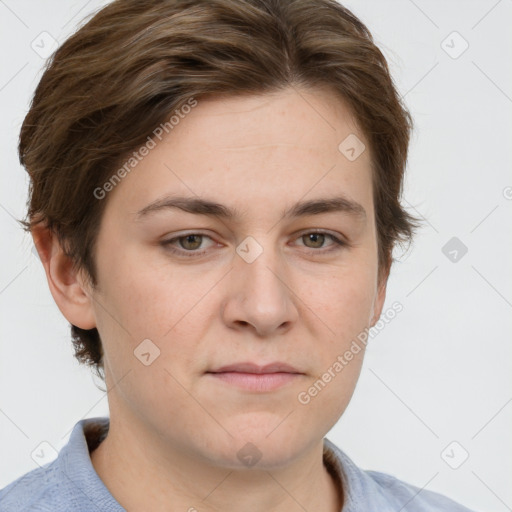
(168, 243)
(338, 242)
(321, 231)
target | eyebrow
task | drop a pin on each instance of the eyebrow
(201, 206)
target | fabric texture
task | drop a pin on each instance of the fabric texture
(69, 483)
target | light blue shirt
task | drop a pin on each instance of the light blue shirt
(70, 483)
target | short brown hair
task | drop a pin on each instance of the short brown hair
(120, 75)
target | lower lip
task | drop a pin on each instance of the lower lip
(256, 381)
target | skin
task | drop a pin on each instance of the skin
(175, 431)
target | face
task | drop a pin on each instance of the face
(269, 284)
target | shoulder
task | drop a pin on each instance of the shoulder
(411, 498)
(35, 487)
(68, 483)
(373, 490)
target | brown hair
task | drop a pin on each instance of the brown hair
(108, 86)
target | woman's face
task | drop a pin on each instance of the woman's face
(184, 292)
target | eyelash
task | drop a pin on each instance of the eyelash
(337, 245)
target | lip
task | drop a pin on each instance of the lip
(248, 367)
(252, 377)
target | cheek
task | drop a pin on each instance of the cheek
(341, 300)
(322, 403)
(344, 309)
(147, 300)
(170, 308)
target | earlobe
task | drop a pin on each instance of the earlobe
(66, 285)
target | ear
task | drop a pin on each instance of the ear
(67, 287)
(380, 297)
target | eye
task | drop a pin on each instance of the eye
(189, 243)
(316, 239)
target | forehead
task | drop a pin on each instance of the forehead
(253, 148)
(299, 118)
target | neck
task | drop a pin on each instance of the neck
(143, 475)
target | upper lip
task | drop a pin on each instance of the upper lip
(248, 367)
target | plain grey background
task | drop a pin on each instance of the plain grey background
(435, 388)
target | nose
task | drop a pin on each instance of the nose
(259, 295)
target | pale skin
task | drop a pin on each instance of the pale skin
(174, 429)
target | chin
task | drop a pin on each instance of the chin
(259, 442)
(255, 457)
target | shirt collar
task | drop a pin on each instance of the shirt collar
(77, 468)
(88, 433)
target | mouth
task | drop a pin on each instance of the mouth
(254, 377)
